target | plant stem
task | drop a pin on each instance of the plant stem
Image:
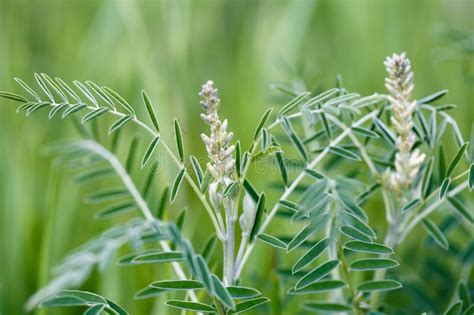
(220, 308)
(380, 273)
(229, 253)
(141, 203)
(296, 182)
(217, 226)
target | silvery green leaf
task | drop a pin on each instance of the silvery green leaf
(238, 165)
(314, 174)
(158, 257)
(230, 190)
(271, 240)
(281, 162)
(340, 151)
(366, 247)
(61, 301)
(444, 187)
(53, 86)
(258, 217)
(379, 285)
(149, 151)
(98, 90)
(93, 174)
(95, 310)
(203, 271)
(433, 97)
(262, 122)
(249, 304)
(205, 181)
(177, 184)
(106, 194)
(365, 132)
(320, 286)
(122, 102)
(56, 109)
(86, 92)
(177, 285)
(179, 139)
(373, 264)
(350, 205)
(316, 274)
(311, 255)
(290, 205)
(353, 233)
(116, 309)
(115, 210)
(44, 87)
(191, 306)
(24, 106)
(425, 183)
(239, 292)
(435, 233)
(94, 114)
(68, 90)
(411, 204)
(197, 168)
(461, 209)
(119, 123)
(386, 132)
(36, 107)
(327, 127)
(456, 159)
(28, 89)
(151, 111)
(322, 97)
(358, 224)
(149, 292)
(327, 307)
(307, 231)
(221, 292)
(293, 103)
(83, 295)
(266, 153)
(294, 138)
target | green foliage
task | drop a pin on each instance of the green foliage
(344, 146)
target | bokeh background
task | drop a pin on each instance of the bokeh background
(170, 48)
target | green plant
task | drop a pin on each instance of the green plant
(372, 147)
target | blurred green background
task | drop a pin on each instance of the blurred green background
(170, 48)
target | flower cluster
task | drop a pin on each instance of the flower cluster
(221, 165)
(400, 85)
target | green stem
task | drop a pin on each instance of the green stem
(296, 182)
(220, 308)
